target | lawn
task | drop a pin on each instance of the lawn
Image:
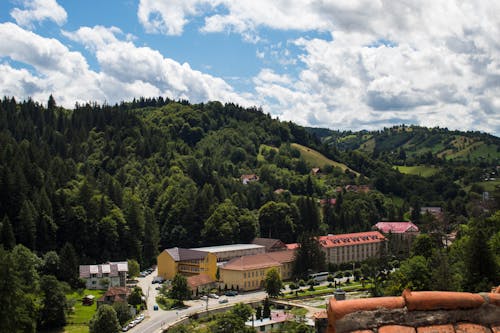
(79, 319)
(316, 159)
(322, 290)
(419, 170)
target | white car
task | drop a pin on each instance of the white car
(213, 296)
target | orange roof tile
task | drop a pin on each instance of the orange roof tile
(262, 260)
(495, 328)
(362, 331)
(444, 300)
(494, 298)
(199, 280)
(436, 329)
(338, 309)
(351, 239)
(471, 328)
(396, 329)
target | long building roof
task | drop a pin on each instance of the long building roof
(227, 248)
(351, 239)
(396, 227)
(262, 260)
(181, 254)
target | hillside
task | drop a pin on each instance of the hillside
(124, 181)
(413, 145)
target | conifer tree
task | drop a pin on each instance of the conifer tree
(7, 238)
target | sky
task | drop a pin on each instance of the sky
(339, 64)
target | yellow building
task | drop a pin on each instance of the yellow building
(186, 262)
(248, 272)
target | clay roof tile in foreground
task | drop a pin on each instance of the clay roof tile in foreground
(471, 328)
(338, 309)
(494, 298)
(396, 329)
(436, 329)
(441, 300)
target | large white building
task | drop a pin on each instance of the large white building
(228, 252)
(354, 247)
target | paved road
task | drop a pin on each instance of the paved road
(155, 320)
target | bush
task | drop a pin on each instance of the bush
(339, 275)
(302, 283)
(330, 278)
(311, 287)
(293, 286)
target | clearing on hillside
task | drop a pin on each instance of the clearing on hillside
(316, 159)
(418, 170)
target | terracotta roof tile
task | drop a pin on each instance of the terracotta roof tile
(495, 328)
(396, 329)
(199, 280)
(441, 300)
(351, 239)
(338, 309)
(362, 331)
(494, 299)
(396, 227)
(436, 329)
(261, 260)
(471, 328)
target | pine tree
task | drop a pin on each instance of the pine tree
(27, 225)
(69, 269)
(52, 312)
(7, 238)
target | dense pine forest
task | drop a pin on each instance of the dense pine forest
(103, 182)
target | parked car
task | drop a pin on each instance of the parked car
(231, 293)
(213, 296)
(155, 307)
(125, 328)
(204, 297)
(223, 300)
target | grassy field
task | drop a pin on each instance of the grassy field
(316, 159)
(78, 321)
(419, 170)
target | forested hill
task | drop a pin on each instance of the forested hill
(411, 145)
(123, 181)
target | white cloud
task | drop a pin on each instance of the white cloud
(126, 70)
(38, 11)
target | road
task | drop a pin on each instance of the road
(156, 320)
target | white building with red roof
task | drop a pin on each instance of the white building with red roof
(400, 235)
(355, 247)
(111, 274)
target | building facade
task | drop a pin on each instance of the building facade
(248, 272)
(355, 247)
(400, 236)
(104, 276)
(186, 262)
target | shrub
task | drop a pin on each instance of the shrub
(302, 283)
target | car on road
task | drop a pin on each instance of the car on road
(155, 307)
(231, 293)
(204, 297)
(213, 296)
(223, 300)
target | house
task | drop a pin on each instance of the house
(436, 212)
(187, 262)
(354, 247)
(111, 274)
(270, 244)
(416, 312)
(248, 272)
(329, 202)
(399, 234)
(316, 171)
(200, 284)
(114, 294)
(271, 324)
(245, 179)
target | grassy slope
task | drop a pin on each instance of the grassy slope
(78, 321)
(316, 159)
(420, 170)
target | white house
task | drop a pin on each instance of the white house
(103, 276)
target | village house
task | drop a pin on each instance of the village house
(200, 284)
(103, 276)
(114, 294)
(271, 324)
(245, 179)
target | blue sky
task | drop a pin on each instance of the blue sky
(341, 64)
